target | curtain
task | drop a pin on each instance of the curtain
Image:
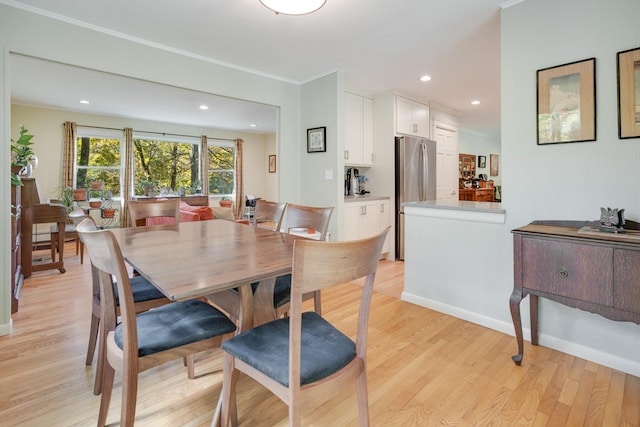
(204, 164)
(127, 193)
(68, 151)
(239, 190)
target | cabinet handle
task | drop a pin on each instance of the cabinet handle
(381, 208)
(564, 273)
(415, 128)
(346, 154)
(363, 210)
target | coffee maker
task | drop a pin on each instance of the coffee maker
(351, 185)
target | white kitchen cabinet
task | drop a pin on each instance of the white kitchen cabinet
(412, 118)
(366, 219)
(358, 150)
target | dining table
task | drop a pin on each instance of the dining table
(199, 258)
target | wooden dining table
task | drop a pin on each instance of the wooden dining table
(195, 259)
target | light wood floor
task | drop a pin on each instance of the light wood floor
(425, 369)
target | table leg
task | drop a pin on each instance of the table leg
(514, 305)
(533, 312)
(263, 302)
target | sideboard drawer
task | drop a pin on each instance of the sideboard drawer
(563, 269)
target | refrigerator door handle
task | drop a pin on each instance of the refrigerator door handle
(425, 172)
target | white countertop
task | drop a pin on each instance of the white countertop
(491, 212)
(364, 197)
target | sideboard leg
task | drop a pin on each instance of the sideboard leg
(533, 311)
(514, 305)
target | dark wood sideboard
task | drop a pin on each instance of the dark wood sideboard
(16, 241)
(594, 271)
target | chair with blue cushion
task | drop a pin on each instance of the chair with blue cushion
(303, 358)
(143, 340)
(145, 297)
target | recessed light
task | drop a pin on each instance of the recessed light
(476, 102)
(425, 78)
(253, 125)
(204, 107)
(83, 101)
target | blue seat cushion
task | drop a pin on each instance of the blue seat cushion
(281, 290)
(141, 289)
(324, 349)
(177, 324)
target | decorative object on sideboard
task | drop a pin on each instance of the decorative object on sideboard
(612, 220)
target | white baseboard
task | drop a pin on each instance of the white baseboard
(5, 328)
(574, 349)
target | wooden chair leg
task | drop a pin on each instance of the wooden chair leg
(229, 410)
(191, 370)
(363, 400)
(129, 395)
(109, 373)
(317, 302)
(102, 363)
(81, 252)
(93, 337)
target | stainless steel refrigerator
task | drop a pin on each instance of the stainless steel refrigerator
(415, 178)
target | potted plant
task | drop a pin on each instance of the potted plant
(225, 202)
(65, 196)
(23, 158)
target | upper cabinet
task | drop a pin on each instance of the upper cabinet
(412, 118)
(358, 150)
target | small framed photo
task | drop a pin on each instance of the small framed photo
(482, 161)
(566, 103)
(316, 140)
(628, 90)
(272, 163)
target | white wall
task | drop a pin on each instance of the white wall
(563, 181)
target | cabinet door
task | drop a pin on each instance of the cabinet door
(446, 164)
(412, 118)
(352, 214)
(354, 129)
(385, 221)
(626, 280)
(367, 131)
(370, 219)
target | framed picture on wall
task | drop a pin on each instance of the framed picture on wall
(272, 163)
(482, 161)
(628, 88)
(494, 165)
(316, 140)
(566, 104)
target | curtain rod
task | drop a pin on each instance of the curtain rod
(156, 133)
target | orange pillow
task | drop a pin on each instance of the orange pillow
(204, 212)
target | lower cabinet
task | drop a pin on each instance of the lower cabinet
(366, 219)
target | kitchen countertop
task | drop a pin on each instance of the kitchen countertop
(491, 212)
(364, 197)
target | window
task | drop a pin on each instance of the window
(169, 164)
(221, 173)
(98, 159)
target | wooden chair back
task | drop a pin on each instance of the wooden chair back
(267, 213)
(307, 217)
(316, 265)
(140, 210)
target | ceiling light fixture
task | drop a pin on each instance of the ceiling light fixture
(83, 101)
(204, 107)
(476, 102)
(425, 78)
(293, 7)
(253, 125)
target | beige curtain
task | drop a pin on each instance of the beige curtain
(127, 193)
(239, 185)
(68, 151)
(204, 164)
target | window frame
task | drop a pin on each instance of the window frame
(215, 142)
(90, 132)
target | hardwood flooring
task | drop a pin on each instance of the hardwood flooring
(424, 369)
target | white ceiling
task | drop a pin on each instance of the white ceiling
(380, 45)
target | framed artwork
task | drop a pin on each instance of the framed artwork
(482, 161)
(272, 163)
(316, 140)
(566, 104)
(494, 165)
(629, 93)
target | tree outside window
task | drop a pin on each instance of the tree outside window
(98, 159)
(169, 165)
(221, 169)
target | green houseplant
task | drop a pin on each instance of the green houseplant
(21, 154)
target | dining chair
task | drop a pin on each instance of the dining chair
(268, 214)
(304, 359)
(145, 297)
(141, 210)
(143, 340)
(299, 217)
